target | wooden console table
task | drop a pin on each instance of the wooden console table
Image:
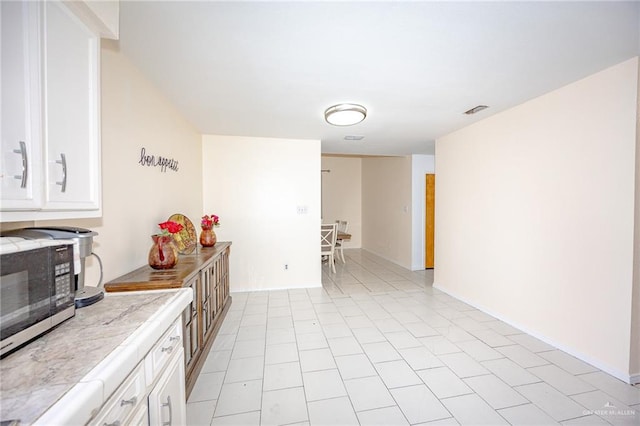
(207, 274)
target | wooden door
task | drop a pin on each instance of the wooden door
(430, 222)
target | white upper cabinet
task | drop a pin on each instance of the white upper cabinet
(50, 114)
(71, 120)
(20, 177)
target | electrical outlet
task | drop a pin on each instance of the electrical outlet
(302, 209)
(286, 266)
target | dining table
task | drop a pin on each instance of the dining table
(343, 236)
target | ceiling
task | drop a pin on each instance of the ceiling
(270, 69)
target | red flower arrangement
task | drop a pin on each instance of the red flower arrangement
(159, 256)
(169, 227)
(209, 222)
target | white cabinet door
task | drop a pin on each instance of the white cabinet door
(71, 111)
(167, 400)
(20, 162)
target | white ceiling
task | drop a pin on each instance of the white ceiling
(270, 69)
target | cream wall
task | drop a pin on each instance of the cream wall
(535, 216)
(256, 186)
(634, 366)
(136, 198)
(342, 194)
(386, 208)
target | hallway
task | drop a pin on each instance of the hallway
(378, 345)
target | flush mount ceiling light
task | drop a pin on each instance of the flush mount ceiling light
(345, 114)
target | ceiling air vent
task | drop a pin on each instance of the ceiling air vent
(476, 109)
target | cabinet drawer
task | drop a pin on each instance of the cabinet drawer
(140, 417)
(124, 401)
(159, 355)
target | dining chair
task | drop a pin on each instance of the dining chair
(342, 226)
(328, 234)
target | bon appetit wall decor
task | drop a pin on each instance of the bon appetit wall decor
(164, 163)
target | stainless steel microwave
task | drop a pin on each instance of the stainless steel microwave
(36, 293)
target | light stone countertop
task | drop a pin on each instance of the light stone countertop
(65, 376)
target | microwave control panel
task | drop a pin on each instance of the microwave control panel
(63, 274)
(63, 282)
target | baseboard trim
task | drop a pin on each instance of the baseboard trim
(385, 258)
(625, 377)
(249, 290)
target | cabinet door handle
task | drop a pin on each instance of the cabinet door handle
(25, 164)
(131, 401)
(168, 404)
(174, 338)
(167, 349)
(116, 423)
(63, 162)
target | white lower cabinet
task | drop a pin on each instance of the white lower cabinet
(167, 403)
(167, 399)
(154, 393)
(140, 417)
(125, 400)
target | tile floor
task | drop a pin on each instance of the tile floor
(377, 345)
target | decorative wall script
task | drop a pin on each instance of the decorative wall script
(153, 161)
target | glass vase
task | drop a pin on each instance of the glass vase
(163, 253)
